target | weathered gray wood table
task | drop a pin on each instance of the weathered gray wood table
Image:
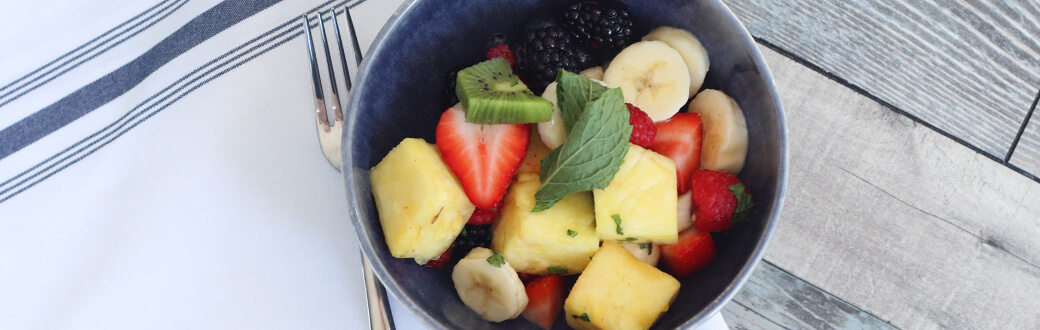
(914, 193)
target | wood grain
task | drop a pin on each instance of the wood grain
(898, 219)
(970, 68)
(773, 298)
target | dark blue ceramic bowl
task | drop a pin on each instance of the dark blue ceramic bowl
(399, 94)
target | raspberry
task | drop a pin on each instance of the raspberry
(643, 128)
(546, 50)
(472, 236)
(605, 25)
(440, 261)
(502, 51)
(713, 202)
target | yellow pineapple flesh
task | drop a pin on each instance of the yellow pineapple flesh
(616, 291)
(640, 204)
(421, 204)
(562, 238)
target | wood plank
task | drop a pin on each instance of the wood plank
(1027, 153)
(774, 298)
(899, 220)
(970, 68)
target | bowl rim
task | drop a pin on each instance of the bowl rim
(379, 268)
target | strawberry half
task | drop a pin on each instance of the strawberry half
(694, 250)
(483, 157)
(679, 138)
(544, 300)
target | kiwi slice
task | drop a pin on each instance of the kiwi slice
(492, 94)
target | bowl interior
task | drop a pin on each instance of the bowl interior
(400, 94)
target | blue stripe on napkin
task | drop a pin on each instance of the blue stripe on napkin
(10, 92)
(107, 88)
(158, 102)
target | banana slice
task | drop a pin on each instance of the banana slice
(595, 72)
(653, 77)
(494, 292)
(725, 131)
(693, 53)
(648, 253)
(685, 212)
(552, 132)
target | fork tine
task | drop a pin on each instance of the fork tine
(332, 74)
(353, 36)
(319, 96)
(342, 53)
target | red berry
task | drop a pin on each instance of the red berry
(440, 261)
(713, 201)
(484, 217)
(643, 129)
(544, 300)
(483, 157)
(679, 138)
(503, 52)
(694, 250)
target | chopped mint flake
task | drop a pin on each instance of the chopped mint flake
(617, 221)
(572, 233)
(630, 239)
(557, 270)
(648, 246)
(744, 203)
(583, 317)
(496, 259)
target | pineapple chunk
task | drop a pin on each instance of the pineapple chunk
(563, 237)
(616, 291)
(641, 200)
(421, 204)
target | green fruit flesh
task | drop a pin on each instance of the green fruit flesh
(492, 94)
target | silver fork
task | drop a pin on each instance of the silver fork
(329, 138)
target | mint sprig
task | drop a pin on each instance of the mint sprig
(592, 154)
(573, 92)
(744, 204)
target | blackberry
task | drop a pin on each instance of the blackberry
(545, 50)
(601, 25)
(471, 236)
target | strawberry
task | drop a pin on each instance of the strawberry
(643, 129)
(679, 138)
(719, 200)
(691, 253)
(440, 261)
(483, 157)
(544, 300)
(503, 52)
(485, 217)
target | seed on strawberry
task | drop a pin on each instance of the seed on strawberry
(643, 129)
(719, 200)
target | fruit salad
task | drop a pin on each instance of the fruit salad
(578, 177)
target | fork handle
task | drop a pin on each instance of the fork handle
(378, 304)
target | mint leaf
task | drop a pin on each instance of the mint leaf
(592, 154)
(630, 239)
(583, 317)
(496, 260)
(573, 92)
(648, 246)
(744, 203)
(572, 233)
(617, 221)
(553, 270)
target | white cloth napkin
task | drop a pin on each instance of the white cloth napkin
(159, 169)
